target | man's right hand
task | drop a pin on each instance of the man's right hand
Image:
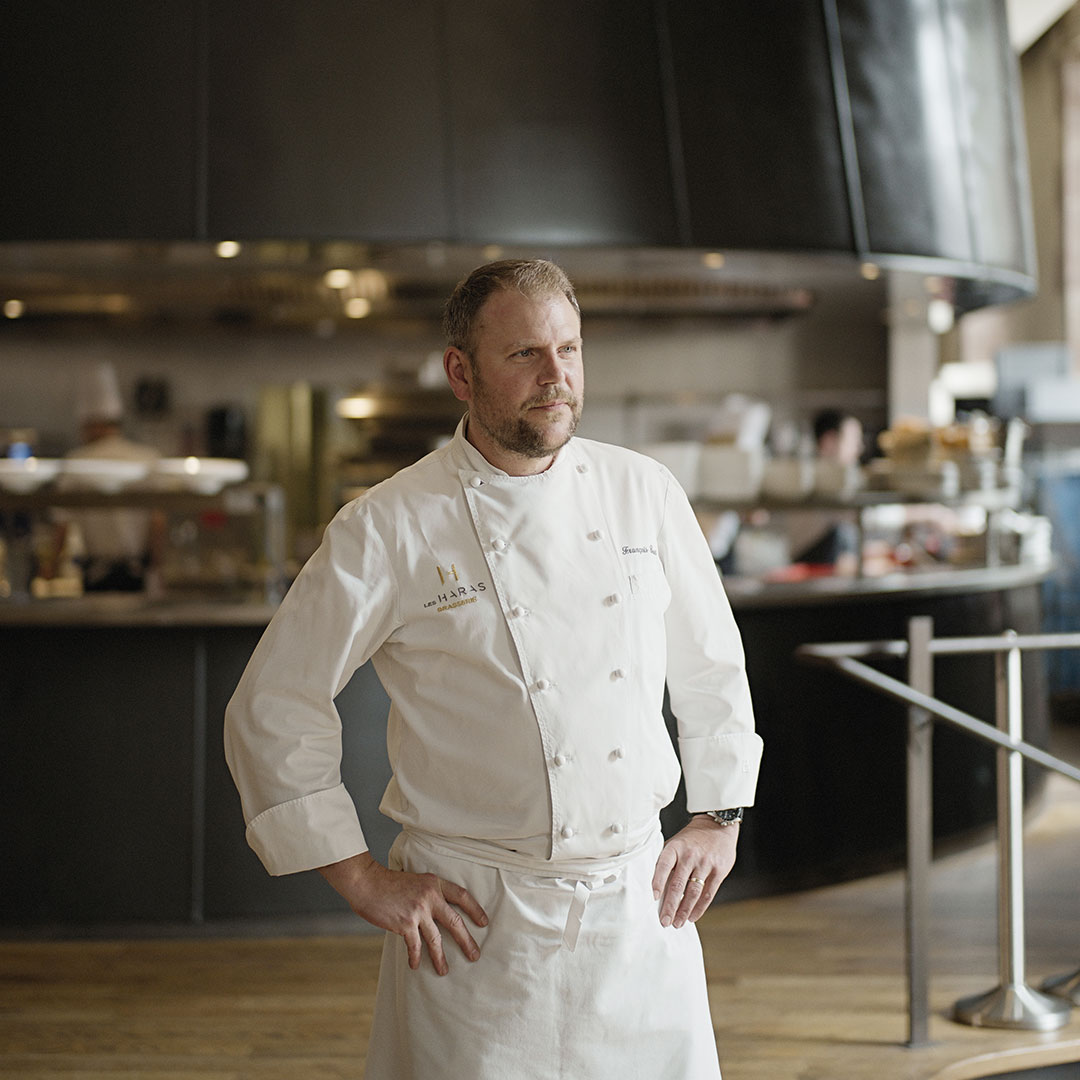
(412, 905)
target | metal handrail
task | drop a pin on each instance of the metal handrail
(1012, 1004)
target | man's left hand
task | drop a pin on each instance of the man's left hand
(691, 868)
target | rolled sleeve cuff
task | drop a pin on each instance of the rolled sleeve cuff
(721, 770)
(314, 830)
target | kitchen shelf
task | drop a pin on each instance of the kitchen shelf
(988, 499)
(238, 499)
(262, 503)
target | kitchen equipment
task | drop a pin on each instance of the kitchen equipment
(788, 478)
(729, 473)
(683, 459)
(836, 479)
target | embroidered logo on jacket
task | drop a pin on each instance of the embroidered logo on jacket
(457, 595)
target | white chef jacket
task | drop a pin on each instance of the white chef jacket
(523, 627)
(111, 535)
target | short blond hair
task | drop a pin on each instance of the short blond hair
(531, 277)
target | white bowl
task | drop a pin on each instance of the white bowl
(107, 475)
(27, 474)
(206, 476)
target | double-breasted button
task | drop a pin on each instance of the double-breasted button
(613, 599)
(560, 760)
(567, 832)
(618, 673)
(583, 468)
(543, 684)
(616, 828)
(518, 611)
(618, 753)
(476, 482)
(499, 544)
(596, 534)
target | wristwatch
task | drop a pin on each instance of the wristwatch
(726, 817)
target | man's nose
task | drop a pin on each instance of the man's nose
(551, 367)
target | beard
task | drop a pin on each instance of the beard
(513, 429)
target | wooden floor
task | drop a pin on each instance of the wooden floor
(803, 987)
(811, 987)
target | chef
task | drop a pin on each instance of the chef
(122, 547)
(523, 596)
(819, 536)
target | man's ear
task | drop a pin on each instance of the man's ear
(458, 373)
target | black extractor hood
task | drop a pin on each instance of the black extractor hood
(888, 131)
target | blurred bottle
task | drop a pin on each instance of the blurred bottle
(19, 556)
(19, 443)
(226, 433)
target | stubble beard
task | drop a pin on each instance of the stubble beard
(517, 434)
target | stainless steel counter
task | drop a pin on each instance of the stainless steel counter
(134, 610)
(747, 592)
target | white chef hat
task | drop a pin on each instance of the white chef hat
(98, 394)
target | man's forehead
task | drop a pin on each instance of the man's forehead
(512, 314)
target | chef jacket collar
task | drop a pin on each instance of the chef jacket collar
(471, 462)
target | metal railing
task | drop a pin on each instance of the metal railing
(1012, 1003)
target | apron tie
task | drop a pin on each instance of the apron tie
(576, 915)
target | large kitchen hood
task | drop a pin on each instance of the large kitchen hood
(880, 131)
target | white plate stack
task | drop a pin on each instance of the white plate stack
(105, 475)
(21, 475)
(205, 476)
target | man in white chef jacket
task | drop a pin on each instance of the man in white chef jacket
(523, 596)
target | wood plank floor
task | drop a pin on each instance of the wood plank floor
(803, 987)
(811, 987)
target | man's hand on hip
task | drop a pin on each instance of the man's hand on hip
(412, 905)
(691, 868)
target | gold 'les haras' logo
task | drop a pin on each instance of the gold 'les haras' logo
(454, 595)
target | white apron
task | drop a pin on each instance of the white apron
(577, 979)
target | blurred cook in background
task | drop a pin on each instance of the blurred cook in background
(838, 436)
(121, 548)
(819, 538)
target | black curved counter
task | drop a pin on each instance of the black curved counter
(119, 807)
(831, 798)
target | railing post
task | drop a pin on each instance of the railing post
(919, 831)
(1012, 1004)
